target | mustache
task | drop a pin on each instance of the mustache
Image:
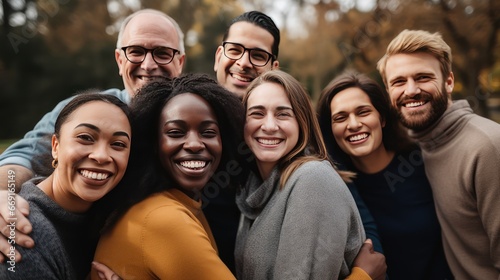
(248, 73)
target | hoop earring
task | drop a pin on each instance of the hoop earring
(54, 163)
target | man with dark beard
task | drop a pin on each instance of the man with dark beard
(461, 150)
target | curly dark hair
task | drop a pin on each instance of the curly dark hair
(145, 174)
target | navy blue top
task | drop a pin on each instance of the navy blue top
(400, 200)
(223, 216)
(369, 224)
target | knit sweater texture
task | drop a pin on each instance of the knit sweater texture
(63, 249)
(310, 229)
(461, 152)
(165, 236)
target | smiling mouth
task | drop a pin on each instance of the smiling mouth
(241, 78)
(94, 175)
(269, 141)
(357, 137)
(149, 78)
(414, 104)
(193, 164)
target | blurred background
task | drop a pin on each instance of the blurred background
(50, 49)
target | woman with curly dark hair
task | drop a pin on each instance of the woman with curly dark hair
(188, 131)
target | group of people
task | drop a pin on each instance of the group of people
(240, 177)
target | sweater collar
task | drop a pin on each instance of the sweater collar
(254, 196)
(193, 205)
(50, 208)
(445, 128)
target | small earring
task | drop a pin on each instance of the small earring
(54, 163)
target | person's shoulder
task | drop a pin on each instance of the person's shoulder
(121, 94)
(160, 206)
(318, 172)
(167, 216)
(49, 248)
(485, 125)
(315, 166)
(482, 133)
(320, 184)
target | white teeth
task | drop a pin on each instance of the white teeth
(238, 77)
(414, 104)
(148, 78)
(193, 164)
(269, 141)
(94, 175)
(358, 137)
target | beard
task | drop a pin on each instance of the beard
(420, 120)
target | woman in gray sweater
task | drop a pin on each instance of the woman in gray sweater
(299, 220)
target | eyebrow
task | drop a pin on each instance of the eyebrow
(183, 122)
(261, 107)
(357, 108)
(257, 48)
(414, 75)
(95, 128)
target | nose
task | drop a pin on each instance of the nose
(100, 154)
(412, 87)
(194, 142)
(269, 124)
(353, 123)
(149, 63)
(244, 60)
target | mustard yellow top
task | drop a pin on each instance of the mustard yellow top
(358, 273)
(165, 236)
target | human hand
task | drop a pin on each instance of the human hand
(373, 263)
(104, 272)
(14, 226)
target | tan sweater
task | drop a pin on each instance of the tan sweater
(462, 162)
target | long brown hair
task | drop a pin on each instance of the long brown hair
(310, 145)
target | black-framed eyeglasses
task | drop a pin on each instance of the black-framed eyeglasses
(257, 57)
(161, 55)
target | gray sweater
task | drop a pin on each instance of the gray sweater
(310, 229)
(63, 249)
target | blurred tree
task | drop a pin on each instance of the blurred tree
(50, 49)
(341, 36)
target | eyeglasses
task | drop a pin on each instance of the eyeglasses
(161, 55)
(257, 57)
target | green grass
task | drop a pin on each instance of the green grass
(4, 143)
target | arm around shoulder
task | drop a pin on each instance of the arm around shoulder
(13, 176)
